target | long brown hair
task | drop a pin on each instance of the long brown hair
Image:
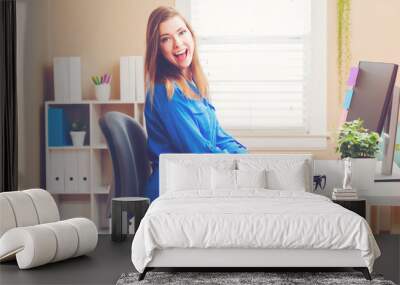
(159, 70)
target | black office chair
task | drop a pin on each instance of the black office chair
(127, 143)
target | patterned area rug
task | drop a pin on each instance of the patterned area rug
(242, 278)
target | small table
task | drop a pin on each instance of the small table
(358, 206)
(121, 208)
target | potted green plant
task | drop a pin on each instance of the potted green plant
(358, 147)
(78, 132)
(355, 141)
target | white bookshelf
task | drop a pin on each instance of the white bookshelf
(80, 178)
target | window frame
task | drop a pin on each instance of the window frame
(315, 138)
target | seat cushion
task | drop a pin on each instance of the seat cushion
(45, 205)
(87, 235)
(67, 240)
(23, 208)
(26, 208)
(7, 217)
(40, 244)
(33, 246)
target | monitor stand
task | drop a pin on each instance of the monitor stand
(393, 177)
(387, 170)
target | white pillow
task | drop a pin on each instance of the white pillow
(223, 179)
(230, 180)
(282, 174)
(293, 179)
(183, 177)
(251, 178)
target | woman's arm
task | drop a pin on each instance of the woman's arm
(228, 143)
(180, 124)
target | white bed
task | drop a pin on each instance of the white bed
(201, 223)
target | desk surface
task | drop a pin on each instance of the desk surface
(383, 200)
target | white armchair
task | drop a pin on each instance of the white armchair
(31, 230)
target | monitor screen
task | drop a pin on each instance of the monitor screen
(372, 94)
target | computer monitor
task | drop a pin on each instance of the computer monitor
(375, 101)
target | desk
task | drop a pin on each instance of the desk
(383, 200)
(383, 214)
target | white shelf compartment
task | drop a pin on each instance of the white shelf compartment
(93, 201)
(98, 111)
(72, 206)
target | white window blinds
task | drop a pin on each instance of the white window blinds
(257, 57)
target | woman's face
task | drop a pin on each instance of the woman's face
(176, 43)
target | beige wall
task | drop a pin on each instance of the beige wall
(374, 37)
(375, 31)
(100, 31)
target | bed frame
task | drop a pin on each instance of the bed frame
(242, 259)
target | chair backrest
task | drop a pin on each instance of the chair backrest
(127, 143)
(26, 208)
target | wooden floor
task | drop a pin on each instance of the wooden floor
(110, 260)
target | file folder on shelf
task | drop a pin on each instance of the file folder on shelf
(140, 92)
(57, 127)
(127, 78)
(67, 79)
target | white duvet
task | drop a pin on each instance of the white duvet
(250, 219)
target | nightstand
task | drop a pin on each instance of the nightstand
(358, 206)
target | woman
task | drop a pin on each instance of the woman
(179, 117)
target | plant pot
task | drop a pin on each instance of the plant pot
(363, 173)
(78, 137)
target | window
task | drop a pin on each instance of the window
(265, 62)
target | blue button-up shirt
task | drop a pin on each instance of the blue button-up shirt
(182, 125)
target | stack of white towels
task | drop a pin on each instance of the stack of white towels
(344, 194)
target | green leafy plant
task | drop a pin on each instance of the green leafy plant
(357, 142)
(78, 126)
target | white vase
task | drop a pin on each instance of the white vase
(77, 137)
(363, 173)
(347, 173)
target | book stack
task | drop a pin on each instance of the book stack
(344, 194)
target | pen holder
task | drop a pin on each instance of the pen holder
(103, 92)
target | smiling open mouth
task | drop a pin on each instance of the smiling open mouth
(181, 56)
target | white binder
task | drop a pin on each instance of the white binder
(61, 79)
(75, 84)
(71, 172)
(67, 79)
(140, 92)
(132, 78)
(123, 77)
(83, 171)
(127, 78)
(56, 177)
